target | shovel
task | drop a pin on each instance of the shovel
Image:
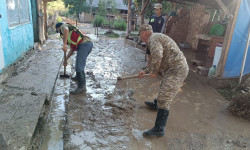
(131, 77)
(64, 75)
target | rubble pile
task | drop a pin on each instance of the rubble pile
(240, 106)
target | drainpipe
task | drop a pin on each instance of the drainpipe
(245, 56)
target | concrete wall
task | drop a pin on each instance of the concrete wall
(85, 18)
(17, 39)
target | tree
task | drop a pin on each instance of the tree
(166, 7)
(107, 7)
(112, 7)
(76, 7)
(102, 8)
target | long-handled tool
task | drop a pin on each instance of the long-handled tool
(131, 77)
(64, 74)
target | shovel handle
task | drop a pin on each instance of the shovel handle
(64, 63)
(131, 77)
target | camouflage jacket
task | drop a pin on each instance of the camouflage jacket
(165, 54)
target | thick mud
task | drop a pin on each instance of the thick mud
(111, 114)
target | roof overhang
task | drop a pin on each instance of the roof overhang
(209, 3)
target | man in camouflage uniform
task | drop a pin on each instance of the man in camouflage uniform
(168, 60)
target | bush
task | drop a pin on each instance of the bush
(120, 24)
(64, 13)
(105, 22)
(59, 19)
(56, 6)
(99, 20)
(111, 34)
(240, 106)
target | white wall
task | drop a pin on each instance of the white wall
(2, 65)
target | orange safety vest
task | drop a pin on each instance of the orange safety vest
(74, 39)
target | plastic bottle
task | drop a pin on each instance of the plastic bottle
(212, 71)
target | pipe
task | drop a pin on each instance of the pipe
(245, 56)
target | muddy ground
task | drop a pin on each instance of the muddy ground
(111, 114)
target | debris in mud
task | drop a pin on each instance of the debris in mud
(97, 86)
(240, 106)
(14, 74)
(238, 143)
(108, 95)
(122, 100)
(34, 93)
(111, 104)
(92, 76)
(111, 33)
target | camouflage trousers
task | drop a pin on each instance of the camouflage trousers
(170, 84)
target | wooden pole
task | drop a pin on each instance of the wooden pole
(128, 18)
(142, 14)
(245, 56)
(227, 40)
(45, 18)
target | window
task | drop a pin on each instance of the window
(18, 12)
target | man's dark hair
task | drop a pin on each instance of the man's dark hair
(59, 24)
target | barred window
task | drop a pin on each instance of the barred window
(18, 12)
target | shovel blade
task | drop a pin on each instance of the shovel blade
(64, 76)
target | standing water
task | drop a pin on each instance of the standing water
(53, 133)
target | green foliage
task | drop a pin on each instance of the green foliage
(112, 7)
(105, 21)
(166, 7)
(59, 19)
(102, 11)
(65, 14)
(76, 7)
(107, 7)
(56, 6)
(112, 35)
(99, 20)
(120, 24)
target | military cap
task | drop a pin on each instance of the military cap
(157, 6)
(144, 27)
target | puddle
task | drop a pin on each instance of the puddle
(53, 139)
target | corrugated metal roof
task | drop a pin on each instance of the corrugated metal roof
(119, 4)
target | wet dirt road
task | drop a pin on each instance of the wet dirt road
(111, 114)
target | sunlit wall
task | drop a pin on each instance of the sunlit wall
(16, 29)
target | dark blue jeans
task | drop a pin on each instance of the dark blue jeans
(83, 51)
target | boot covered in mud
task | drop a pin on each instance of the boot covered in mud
(160, 123)
(81, 83)
(152, 105)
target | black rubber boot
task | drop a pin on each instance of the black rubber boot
(152, 105)
(81, 83)
(160, 123)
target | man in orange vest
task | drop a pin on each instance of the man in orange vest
(78, 41)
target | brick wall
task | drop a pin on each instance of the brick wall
(177, 26)
(198, 24)
(188, 24)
